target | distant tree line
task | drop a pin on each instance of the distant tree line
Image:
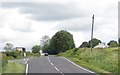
(63, 41)
(87, 44)
(95, 42)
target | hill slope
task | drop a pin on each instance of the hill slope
(98, 60)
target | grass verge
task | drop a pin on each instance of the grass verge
(14, 68)
(98, 60)
(0, 67)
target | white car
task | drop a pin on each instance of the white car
(45, 54)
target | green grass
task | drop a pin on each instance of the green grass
(0, 67)
(14, 68)
(97, 60)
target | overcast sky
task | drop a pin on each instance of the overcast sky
(24, 23)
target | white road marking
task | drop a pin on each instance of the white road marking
(26, 62)
(49, 59)
(26, 66)
(78, 65)
(26, 69)
(51, 63)
(54, 66)
(27, 59)
(62, 73)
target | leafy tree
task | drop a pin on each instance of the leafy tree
(113, 43)
(36, 49)
(61, 42)
(8, 47)
(84, 44)
(44, 40)
(46, 48)
(94, 42)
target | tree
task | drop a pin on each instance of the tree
(113, 43)
(61, 42)
(84, 44)
(36, 49)
(94, 42)
(46, 48)
(8, 47)
(44, 40)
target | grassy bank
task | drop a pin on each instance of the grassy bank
(0, 67)
(97, 60)
(14, 68)
(7, 67)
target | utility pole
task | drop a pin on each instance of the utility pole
(92, 31)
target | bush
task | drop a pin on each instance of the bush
(4, 59)
(32, 54)
(8, 53)
(75, 50)
(13, 54)
(36, 54)
(36, 49)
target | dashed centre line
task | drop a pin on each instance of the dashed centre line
(54, 66)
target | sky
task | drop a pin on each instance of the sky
(23, 23)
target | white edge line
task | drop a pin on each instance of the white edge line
(78, 65)
(26, 69)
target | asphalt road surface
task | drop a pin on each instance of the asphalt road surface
(53, 65)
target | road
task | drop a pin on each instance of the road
(53, 65)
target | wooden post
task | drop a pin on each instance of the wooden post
(92, 32)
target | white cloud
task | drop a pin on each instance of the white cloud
(18, 29)
(15, 20)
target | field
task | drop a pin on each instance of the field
(97, 60)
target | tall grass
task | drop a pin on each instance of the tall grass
(6, 67)
(0, 67)
(99, 60)
(14, 68)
